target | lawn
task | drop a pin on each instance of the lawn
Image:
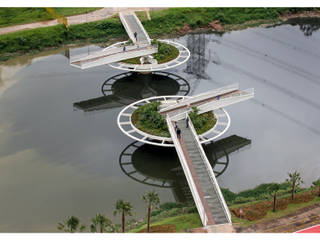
(15, 16)
(182, 222)
(291, 208)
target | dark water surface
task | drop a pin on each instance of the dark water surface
(61, 152)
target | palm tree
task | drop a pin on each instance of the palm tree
(124, 208)
(152, 200)
(71, 224)
(273, 189)
(295, 180)
(317, 184)
(102, 222)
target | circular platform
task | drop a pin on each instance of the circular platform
(184, 55)
(125, 124)
(145, 85)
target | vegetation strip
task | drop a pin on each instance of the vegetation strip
(166, 53)
(148, 119)
(15, 16)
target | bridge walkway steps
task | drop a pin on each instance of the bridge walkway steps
(210, 196)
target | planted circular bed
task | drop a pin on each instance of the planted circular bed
(148, 119)
(166, 53)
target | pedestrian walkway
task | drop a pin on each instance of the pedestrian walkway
(133, 25)
(76, 19)
(111, 55)
(202, 182)
(116, 53)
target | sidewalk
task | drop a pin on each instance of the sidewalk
(76, 19)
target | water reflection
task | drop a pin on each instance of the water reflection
(126, 88)
(306, 25)
(160, 167)
(200, 55)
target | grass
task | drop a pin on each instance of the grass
(148, 120)
(182, 222)
(192, 220)
(166, 53)
(291, 208)
(208, 123)
(15, 16)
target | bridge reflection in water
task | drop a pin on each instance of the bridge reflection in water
(160, 167)
(126, 88)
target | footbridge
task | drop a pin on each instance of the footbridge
(210, 203)
(132, 24)
(115, 53)
(204, 187)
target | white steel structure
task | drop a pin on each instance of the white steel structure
(126, 126)
(202, 182)
(176, 107)
(114, 54)
(184, 55)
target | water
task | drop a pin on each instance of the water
(61, 152)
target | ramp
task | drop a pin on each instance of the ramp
(111, 55)
(132, 24)
(208, 102)
(201, 179)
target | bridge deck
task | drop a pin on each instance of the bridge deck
(132, 24)
(142, 46)
(111, 55)
(206, 194)
(206, 103)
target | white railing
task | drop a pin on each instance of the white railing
(142, 28)
(187, 173)
(226, 101)
(126, 26)
(210, 171)
(203, 96)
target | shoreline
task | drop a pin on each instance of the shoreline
(212, 27)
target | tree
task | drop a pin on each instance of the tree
(102, 222)
(273, 189)
(295, 180)
(71, 224)
(124, 208)
(317, 184)
(152, 200)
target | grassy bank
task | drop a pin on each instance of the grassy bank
(180, 219)
(15, 16)
(163, 23)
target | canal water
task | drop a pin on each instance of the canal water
(62, 154)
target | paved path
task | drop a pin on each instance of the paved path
(209, 195)
(77, 19)
(205, 190)
(133, 25)
(303, 218)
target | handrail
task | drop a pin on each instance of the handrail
(202, 96)
(126, 26)
(210, 171)
(187, 172)
(142, 28)
(223, 102)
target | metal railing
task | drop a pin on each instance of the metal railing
(183, 161)
(223, 102)
(203, 96)
(210, 171)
